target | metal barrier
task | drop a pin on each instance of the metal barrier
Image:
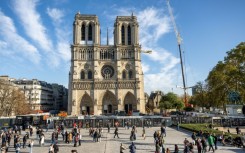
(112, 121)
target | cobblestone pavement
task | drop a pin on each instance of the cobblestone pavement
(109, 144)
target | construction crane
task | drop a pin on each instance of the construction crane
(179, 40)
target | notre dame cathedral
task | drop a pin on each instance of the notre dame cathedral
(104, 79)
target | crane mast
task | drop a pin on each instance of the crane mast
(179, 40)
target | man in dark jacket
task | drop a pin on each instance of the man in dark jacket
(108, 127)
(24, 141)
(132, 148)
(116, 132)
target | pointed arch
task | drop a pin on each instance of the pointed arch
(86, 105)
(130, 74)
(83, 32)
(90, 32)
(129, 35)
(124, 74)
(130, 103)
(109, 103)
(123, 34)
(90, 75)
(82, 75)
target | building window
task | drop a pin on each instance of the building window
(83, 32)
(123, 35)
(90, 32)
(130, 74)
(129, 35)
(90, 75)
(107, 71)
(124, 75)
(82, 75)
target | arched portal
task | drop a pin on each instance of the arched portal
(130, 103)
(86, 105)
(109, 103)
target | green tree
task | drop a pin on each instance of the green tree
(227, 76)
(199, 97)
(171, 100)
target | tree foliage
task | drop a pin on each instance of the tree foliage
(12, 100)
(170, 101)
(227, 76)
(200, 97)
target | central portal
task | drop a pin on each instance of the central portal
(109, 103)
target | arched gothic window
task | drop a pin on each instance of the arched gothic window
(130, 74)
(129, 35)
(90, 32)
(123, 35)
(124, 75)
(83, 32)
(90, 75)
(82, 75)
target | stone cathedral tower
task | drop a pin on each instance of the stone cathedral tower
(104, 79)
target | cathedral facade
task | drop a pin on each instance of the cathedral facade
(104, 79)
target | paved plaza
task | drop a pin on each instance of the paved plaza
(109, 144)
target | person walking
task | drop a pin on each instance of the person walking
(157, 147)
(163, 131)
(176, 148)
(204, 145)
(143, 133)
(122, 148)
(215, 141)
(211, 142)
(69, 137)
(17, 148)
(42, 140)
(116, 132)
(178, 126)
(9, 137)
(132, 148)
(66, 137)
(199, 145)
(76, 139)
(51, 149)
(30, 146)
(56, 148)
(108, 127)
(167, 151)
(194, 137)
(163, 149)
(191, 147)
(80, 138)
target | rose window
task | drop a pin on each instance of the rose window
(107, 71)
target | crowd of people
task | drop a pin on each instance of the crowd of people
(202, 141)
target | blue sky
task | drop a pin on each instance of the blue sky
(35, 36)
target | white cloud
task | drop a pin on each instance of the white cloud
(154, 24)
(14, 44)
(145, 67)
(55, 14)
(63, 45)
(32, 23)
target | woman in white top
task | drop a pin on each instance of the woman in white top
(42, 139)
(30, 145)
(51, 149)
